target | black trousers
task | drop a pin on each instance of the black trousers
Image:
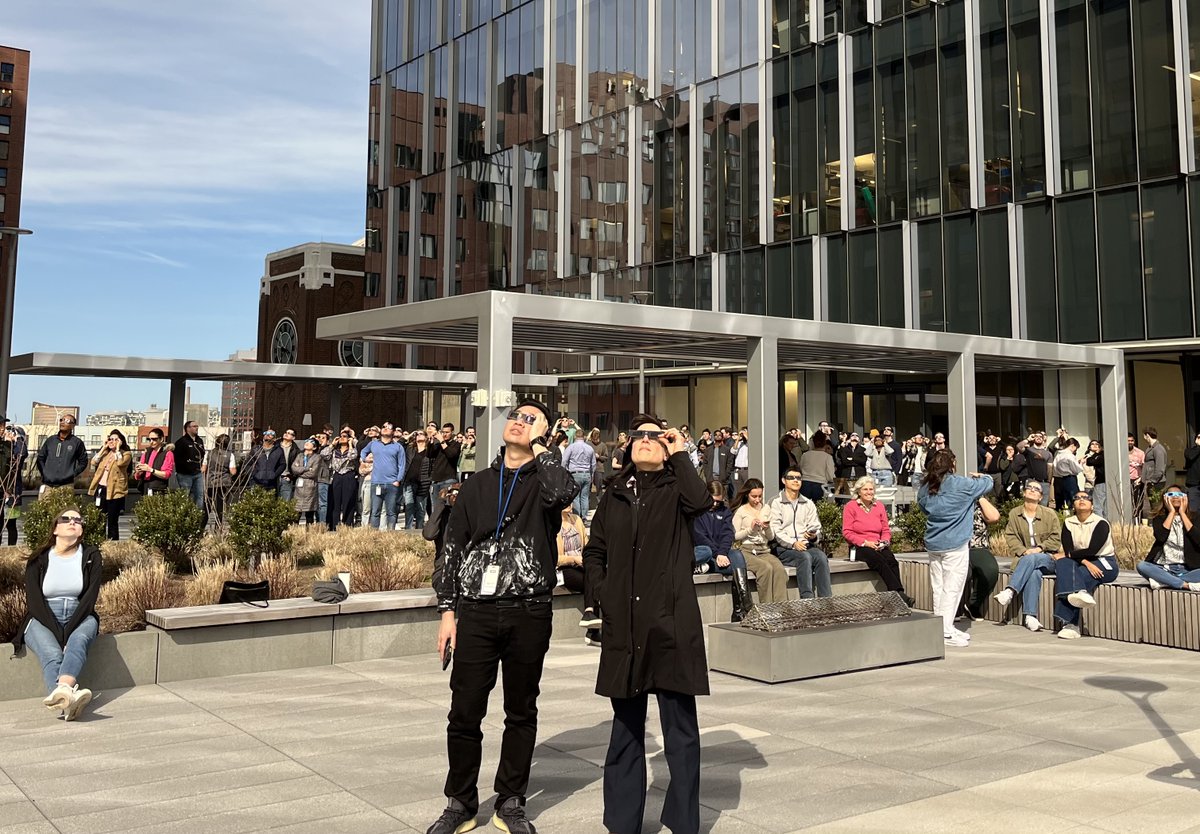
(343, 496)
(514, 635)
(573, 581)
(883, 562)
(112, 510)
(625, 764)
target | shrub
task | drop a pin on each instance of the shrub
(258, 524)
(12, 612)
(12, 568)
(124, 601)
(908, 530)
(124, 554)
(171, 523)
(830, 515)
(378, 560)
(204, 588)
(39, 518)
(1132, 543)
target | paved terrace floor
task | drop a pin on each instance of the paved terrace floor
(1020, 732)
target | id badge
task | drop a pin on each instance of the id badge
(97, 500)
(379, 490)
(491, 577)
(41, 489)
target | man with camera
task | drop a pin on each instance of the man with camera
(498, 570)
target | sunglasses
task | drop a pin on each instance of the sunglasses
(522, 417)
(69, 519)
(1082, 498)
(792, 478)
(1173, 494)
(646, 434)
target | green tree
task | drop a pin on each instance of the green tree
(39, 517)
(171, 523)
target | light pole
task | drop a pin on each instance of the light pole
(6, 327)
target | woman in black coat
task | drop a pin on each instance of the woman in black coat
(638, 562)
(62, 584)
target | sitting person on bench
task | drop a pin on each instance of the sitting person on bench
(865, 528)
(1174, 560)
(1089, 561)
(797, 531)
(1033, 536)
(712, 537)
(752, 535)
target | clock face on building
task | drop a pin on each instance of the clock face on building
(350, 352)
(284, 344)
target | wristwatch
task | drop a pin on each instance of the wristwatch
(540, 441)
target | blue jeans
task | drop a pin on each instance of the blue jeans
(704, 555)
(193, 485)
(1173, 576)
(57, 660)
(414, 507)
(322, 502)
(1071, 576)
(1027, 579)
(811, 565)
(286, 489)
(383, 498)
(884, 477)
(583, 480)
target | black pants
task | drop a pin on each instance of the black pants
(573, 581)
(216, 499)
(112, 510)
(513, 634)
(983, 573)
(625, 764)
(343, 497)
(883, 562)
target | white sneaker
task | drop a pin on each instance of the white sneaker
(1192, 586)
(1155, 585)
(1032, 623)
(59, 699)
(79, 699)
(956, 640)
(1081, 599)
(1005, 597)
(1070, 632)
(966, 635)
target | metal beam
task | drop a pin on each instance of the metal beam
(176, 417)
(762, 403)
(1114, 419)
(494, 355)
(960, 390)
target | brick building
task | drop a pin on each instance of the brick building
(14, 89)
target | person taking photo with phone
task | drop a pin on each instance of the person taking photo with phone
(498, 569)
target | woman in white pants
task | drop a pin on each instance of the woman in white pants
(949, 502)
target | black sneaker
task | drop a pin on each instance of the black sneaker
(454, 820)
(510, 817)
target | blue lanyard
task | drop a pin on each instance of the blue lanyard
(502, 508)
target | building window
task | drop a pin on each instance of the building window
(428, 202)
(3, 177)
(402, 243)
(1, 205)
(460, 250)
(5, 97)
(541, 220)
(6, 72)
(3, 150)
(350, 352)
(428, 246)
(5, 125)
(371, 285)
(284, 343)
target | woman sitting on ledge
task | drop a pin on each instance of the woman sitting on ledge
(62, 582)
(1174, 560)
(865, 528)
(752, 536)
(1089, 562)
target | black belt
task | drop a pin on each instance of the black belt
(507, 602)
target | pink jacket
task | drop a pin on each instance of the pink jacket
(860, 526)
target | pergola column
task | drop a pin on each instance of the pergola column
(335, 406)
(176, 404)
(960, 396)
(762, 403)
(494, 376)
(1113, 430)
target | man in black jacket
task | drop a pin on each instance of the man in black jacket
(189, 457)
(443, 451)
(498, 569)
(63, 456)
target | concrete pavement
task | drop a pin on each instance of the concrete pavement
(1018, 732)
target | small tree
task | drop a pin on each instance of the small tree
(258, 524)
(909, 530)
(830, 516)
(171, 523)
(39, 518)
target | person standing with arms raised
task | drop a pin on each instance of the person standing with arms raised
(498, 569)
(639, 558)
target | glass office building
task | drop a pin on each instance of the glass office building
(1014, 168)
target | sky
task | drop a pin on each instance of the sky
(170, 147)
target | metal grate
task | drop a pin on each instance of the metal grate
(795, 614)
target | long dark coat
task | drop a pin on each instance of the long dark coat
(639, 559)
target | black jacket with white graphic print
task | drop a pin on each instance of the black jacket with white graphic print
(522, 545)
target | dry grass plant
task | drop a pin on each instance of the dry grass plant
(378, 560)
(213, 550)
(204, 587)
(1132, 543)
(124, 601)
(307, 545)
(286, 579)
(12, 612)
(117, 556)
(12, 568)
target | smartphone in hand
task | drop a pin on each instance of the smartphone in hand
(447, 656)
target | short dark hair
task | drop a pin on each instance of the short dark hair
(1151, 432)
(648, 418)
(792, 469)
(448, 426)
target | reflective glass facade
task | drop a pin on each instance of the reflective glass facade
(1017, 168)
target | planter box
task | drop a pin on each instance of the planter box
(116, 661)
